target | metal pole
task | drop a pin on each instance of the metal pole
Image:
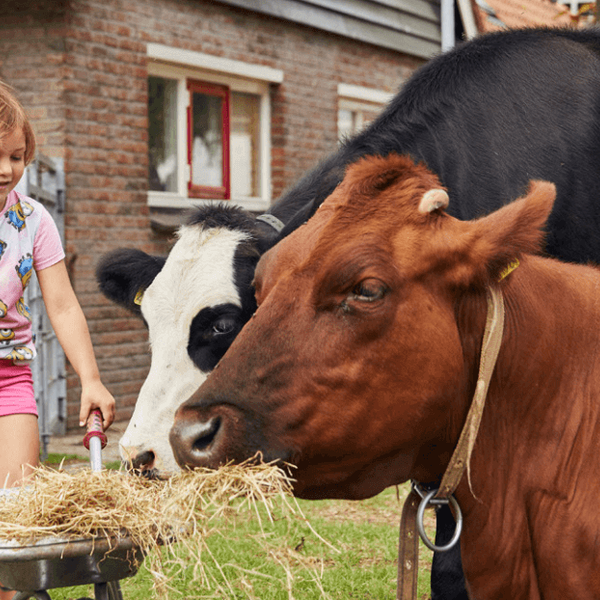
(447, 24)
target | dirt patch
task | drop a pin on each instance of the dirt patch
(355, 512)
(380, 512)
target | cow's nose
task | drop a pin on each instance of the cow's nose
(138, 461)
(144, 461)
(193, 441)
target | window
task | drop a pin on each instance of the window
(208, 140)
(209, 129)
(162, 134)
(244, 142)
(357, 107)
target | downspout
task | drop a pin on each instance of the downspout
(447, 24)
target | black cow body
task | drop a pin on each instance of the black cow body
(487, 117)
(490, 116)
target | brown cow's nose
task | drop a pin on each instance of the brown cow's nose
(192, 441)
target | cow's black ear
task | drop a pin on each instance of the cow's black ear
(125, 273)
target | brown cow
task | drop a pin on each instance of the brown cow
(360, 364)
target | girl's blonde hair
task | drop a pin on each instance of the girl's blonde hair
(13, 116)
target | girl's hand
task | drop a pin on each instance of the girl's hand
(95, 395)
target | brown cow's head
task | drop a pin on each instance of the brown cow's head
(357, 366)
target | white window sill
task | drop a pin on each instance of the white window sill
(166, 200)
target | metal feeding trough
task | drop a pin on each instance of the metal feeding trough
(52, 563)
(55, 562)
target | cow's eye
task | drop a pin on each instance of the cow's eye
(223, 326)
(369, 290)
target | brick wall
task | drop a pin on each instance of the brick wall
(31, 56)
(80, 68)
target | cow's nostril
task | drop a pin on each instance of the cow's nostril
(205, 434)
(144, 461)
(196, 440)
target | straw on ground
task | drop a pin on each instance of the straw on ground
(187, 509)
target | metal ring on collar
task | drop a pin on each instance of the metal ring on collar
(429, 497)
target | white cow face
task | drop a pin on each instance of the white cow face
(193, 308)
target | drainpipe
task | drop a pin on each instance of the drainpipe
(447, 23)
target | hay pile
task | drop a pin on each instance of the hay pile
(185, 509)
(85, 503)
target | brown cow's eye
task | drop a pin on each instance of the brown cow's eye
(369, 290)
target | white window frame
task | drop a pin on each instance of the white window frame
(357, 98)
(239, 76)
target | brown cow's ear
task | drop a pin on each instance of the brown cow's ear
(489, 244)
(433, 200)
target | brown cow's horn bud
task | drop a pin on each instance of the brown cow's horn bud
(433, 200)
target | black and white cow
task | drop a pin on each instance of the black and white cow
(194, 302)
(486, 117)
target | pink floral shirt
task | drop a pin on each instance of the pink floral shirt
(29, 240)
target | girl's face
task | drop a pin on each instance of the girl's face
(12, 162)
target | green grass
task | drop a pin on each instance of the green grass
(54, 460)
(114, 465)
(287, 560)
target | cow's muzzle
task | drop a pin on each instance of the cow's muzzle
(216, 435)
(209, 436)
(194, 442)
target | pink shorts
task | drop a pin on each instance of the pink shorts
(16, 389)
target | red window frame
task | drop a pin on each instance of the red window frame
(222, 192)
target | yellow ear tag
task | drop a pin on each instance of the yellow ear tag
(138, 297)
(510, 267)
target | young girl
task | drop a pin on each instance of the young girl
(29, 240)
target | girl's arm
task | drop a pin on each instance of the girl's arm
(71, 328)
